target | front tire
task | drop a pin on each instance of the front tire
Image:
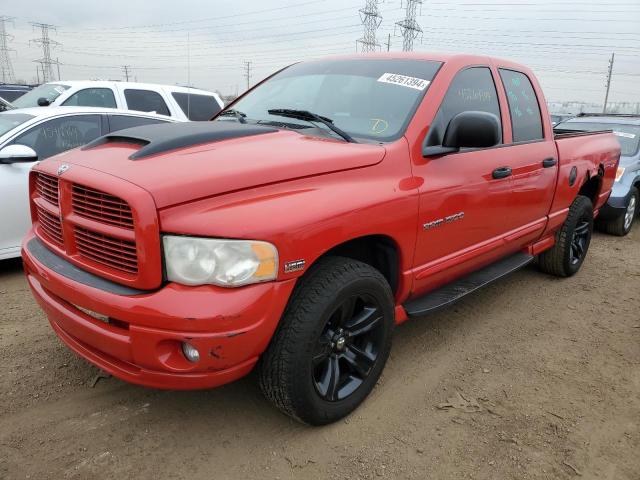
(572, 241)
(621, 225)
(332, 342)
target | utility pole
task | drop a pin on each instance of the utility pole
(125, 70)
(247, 74)
(409, 26)
(6, 68)
(388, 42)
(47, 44)
(371, 19)
(606, 96)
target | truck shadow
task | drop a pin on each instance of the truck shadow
(243, 404)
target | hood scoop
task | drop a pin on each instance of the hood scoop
(161, 138)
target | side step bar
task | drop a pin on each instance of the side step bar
(454, 291)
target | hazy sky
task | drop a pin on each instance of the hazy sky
(567, 43)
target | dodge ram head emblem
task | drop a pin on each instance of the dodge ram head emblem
(62, 168)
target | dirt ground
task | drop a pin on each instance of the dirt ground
(532, 377)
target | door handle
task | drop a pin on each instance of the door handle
(502, 172)
(549, 162)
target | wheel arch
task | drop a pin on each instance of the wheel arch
(379, 251)
(592, 186)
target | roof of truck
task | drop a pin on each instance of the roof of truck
(439, 57)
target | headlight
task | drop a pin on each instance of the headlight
(619, 173)
(227, 263)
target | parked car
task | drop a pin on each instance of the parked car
(31, 134)
(618, 215)
(331, 202)
(4, 105)
(180, 103)
(11, 92)
(556, 118)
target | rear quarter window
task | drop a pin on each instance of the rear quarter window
(197, 107)
(146, 101)
(526, 121)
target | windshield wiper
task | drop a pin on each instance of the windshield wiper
(241, 117)
(311, 117)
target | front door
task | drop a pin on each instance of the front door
(465, 197)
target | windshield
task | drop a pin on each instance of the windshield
(9, 121)
(366, 98)
(50, 91)
(627, 135)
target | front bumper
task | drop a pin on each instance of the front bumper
(141, 341)
(616, 204)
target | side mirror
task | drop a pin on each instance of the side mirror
(472, 130)
(469, 129)
(17, 154)
(43, 102)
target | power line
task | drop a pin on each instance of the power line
(46, 62)
(409, 26)
(6, 68)
(371, 19)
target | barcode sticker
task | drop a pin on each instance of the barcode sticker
(404, 81)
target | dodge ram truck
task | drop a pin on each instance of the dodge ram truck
(291, 234)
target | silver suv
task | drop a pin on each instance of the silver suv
(617, 216)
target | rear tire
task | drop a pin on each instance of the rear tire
(621, 225)
(332, 342)
(572, 241)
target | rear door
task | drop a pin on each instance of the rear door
(532, 157)
(465, 197)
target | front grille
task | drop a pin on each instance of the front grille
(101, 207)
(50, 226)
(106, 250)
(47, 187)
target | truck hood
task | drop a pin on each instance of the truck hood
(214, 168)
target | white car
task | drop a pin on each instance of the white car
(181, 103)
(31, 134)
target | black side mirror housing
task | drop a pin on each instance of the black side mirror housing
(471, 129)
(43, 102)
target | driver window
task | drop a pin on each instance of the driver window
(472, 89)
(60, 134)
(92, 97)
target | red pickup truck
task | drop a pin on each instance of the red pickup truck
(333, 201)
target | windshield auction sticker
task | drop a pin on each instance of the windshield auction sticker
(404, 81)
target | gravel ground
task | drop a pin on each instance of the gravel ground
(532, 377)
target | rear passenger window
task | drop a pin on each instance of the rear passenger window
(526, 120)
(472, 89)
(145, 101)
(120, 122)
(92, 97)
(197, 107)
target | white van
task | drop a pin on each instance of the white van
(180, 103)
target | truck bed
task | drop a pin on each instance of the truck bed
(560, 133)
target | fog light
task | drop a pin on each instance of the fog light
(190, 352)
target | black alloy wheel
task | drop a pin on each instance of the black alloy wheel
(348, 347)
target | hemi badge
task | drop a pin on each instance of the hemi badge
(294, 266)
